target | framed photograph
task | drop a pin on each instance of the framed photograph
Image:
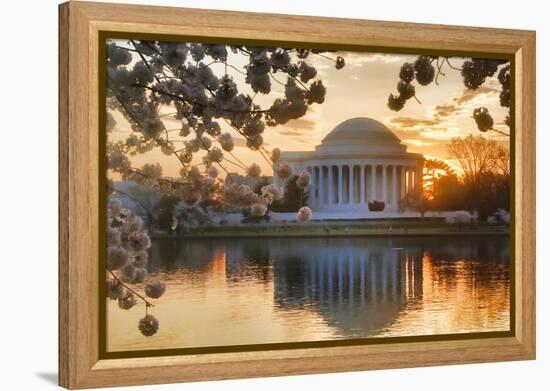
(248, 195)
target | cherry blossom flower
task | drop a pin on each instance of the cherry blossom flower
(185, 130)
(127, 273)
(117, 257)
(304, 214)
(284, 170)
(280, 58)
(139, 275)
(504, 215)
(213, 172)
(192, 199)
(307, 72)
(133, 224)
(148, 325)
(113, 237)
(154, 289)
(141, 258)
(254, 171)
(303, 179)
(254, 142)
(226, 142)
(139, 241)
(459, 217)
(274, 192)
(114, 289)
(127, 302)
(259, 209)
(205, 142)
(215, 155)
(275, 154)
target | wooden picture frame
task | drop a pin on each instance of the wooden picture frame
(81, 24)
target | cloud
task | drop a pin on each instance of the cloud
(442, 119)
(360, 58)
(298, 127)
(241, 142)
(456, 104)
(417, 142)
(404, 134)
(445, 110)
(411, 122)
(291, 133)
(302, 123)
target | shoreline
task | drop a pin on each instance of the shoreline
(320, 231)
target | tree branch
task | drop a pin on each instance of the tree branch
(147, 302)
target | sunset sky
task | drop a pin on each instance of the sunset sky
(360, 89)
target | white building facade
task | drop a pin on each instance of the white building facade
(358, 162)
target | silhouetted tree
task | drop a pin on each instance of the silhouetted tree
(433, 169)
(448, 194)
(165, 209)
(293, 199)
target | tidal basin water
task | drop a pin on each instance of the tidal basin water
(264, 290)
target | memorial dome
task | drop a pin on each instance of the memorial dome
(361, 134)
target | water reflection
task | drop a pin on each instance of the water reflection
(248, 291)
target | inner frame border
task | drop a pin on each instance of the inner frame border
(103, 35)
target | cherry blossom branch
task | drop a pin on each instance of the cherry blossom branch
(450, 65)
(246, 137)
(145, 61)
(281, 69)
(157, 140)
(500, 131)
(324, 56)
(265, 157)
(147, 302)
(439, 72)
(182, 99)
(275, 79)
(236, 158)
(235, 163)
(163, 180)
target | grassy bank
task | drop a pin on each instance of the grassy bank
(341, 229)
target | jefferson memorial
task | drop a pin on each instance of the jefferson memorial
(360, 161)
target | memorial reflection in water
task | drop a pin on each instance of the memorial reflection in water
(250, 291)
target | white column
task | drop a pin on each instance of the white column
(385, 184)
(373, 182)
(403, 181)
(362, 185)
(412, 178)
(394, 186)
(330, 186)
(340, 184)
(406, 179)
(321, 186)
(351, 184)
(312, 187)
(419, 178)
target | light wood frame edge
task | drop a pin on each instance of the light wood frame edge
(79, 366)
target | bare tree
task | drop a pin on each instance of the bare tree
(502, 162)
(475, 155)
